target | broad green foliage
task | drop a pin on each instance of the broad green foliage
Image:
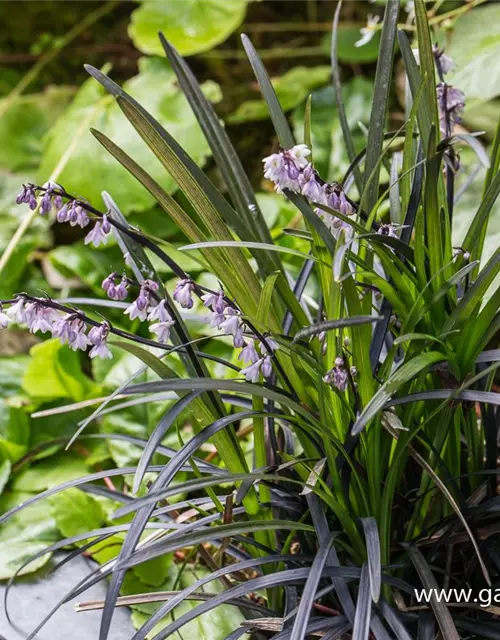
(24, 124)
(475, 48)
(55, 372)
(292, 88)
(192, 26)
(75, 512)
(24, 535)
(91, 169)
(215, 625)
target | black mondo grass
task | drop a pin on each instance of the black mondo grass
(352, 420)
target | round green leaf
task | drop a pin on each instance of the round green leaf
(191, 26)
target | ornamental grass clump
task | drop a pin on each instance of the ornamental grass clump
(368, 382)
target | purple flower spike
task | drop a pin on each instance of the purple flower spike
(249, 352)
(98, 337)
(183, 293)
(252, 372)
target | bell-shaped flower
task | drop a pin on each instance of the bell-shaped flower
(98, 337)
(183, 293)
(252, 372)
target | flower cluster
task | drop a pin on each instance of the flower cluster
(290, 169)
(114, 291)
(147, 305)
(69, 328)
(338, 376)
(451, 101)
(74, 211)
(225, 317)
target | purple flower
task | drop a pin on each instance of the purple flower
(231, 325)
(100, 233)
(387, 230)
(98, 337)
(46, 203)
(38, 317)
(444, 62)
(160, 312)
(214, 301)
(17, 312)
(63, 213)
(252, 372)
(138, 309)
(121, 290)
(78, 216)
(338, 376)
(451, 104)
(215, 319)
(108, 285)
(27, 196)
(249, 353)
(311, 188)
(183, 293)
(272, 344)
(62, 329)
(71, 331)
(284, 168)
(162, 330)
(267, 367)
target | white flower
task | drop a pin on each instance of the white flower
(299, 153)
(252, 372)
(182, 293)
(249, 353)
(368, 32)
(162, 330)
(159, 312)
(98, 337)
(17, 312)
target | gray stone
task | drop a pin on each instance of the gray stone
(31, 598)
